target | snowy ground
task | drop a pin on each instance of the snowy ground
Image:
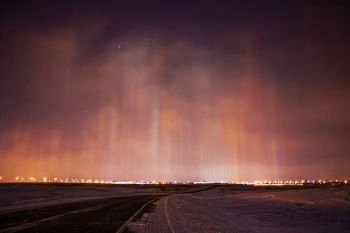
(15, 197)
(219, 209)
(223, 210)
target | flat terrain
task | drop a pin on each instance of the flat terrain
(104, 215)
(173, 208)
(224, 209)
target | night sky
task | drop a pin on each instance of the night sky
(175, 90)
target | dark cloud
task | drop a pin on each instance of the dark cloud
(189, 90)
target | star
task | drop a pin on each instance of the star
(119, 46)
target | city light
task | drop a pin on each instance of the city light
(46, 179)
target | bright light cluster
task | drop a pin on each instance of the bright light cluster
(292, 182)
(32, 179)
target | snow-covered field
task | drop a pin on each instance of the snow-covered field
(17, 196)
(222, 210)
(14, 197)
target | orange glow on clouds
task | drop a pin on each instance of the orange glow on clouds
(169, 112)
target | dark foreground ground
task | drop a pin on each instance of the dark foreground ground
(174, 208)
(106, 215)
(78, 207)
